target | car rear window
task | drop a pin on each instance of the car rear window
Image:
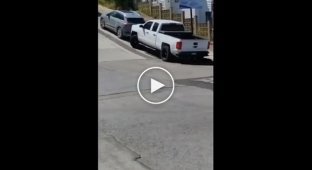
(119, 16)
(136, 20)
(172, 27)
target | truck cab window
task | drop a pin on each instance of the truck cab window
(148, 25)
(172, 27)
(155, 26)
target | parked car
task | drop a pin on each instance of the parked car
(120, 21)
(170, 38)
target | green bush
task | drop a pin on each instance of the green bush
(117, 4)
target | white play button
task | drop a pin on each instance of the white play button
(151, 81)
(156, 85)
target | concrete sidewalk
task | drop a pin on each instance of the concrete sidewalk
(115, 156)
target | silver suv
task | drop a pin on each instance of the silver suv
(120, 21)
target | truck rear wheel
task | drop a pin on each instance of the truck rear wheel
(165, 53)
(199, 58)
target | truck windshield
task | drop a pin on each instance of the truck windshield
(172, 27)
(135, 20)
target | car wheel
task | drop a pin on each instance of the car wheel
(119, 33)
(198, 58)
(134, 41)
(165, 53)
(102, 23)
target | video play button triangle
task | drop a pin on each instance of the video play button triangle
(155, 85)
(157, 79)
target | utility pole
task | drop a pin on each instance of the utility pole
(212, 17)
(191, 13)
(212, 8)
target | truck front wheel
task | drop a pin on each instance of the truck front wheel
(134, 42)
(165, 53)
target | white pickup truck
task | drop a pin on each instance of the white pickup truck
(170, 38)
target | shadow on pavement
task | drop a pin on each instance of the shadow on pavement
(203, 61)
(108, 30)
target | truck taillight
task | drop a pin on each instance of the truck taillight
(179, 45)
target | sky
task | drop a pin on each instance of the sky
(196, 3)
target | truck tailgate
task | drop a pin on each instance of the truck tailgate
(194, 45)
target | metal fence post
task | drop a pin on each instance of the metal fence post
(209, 29)
(195, 25)
(212, 22)
(192, 23)
(150, 8)
(160, 11)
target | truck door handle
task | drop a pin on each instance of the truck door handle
(154, 34)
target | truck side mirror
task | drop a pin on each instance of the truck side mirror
(141, 26)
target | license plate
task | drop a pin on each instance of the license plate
(193, 53)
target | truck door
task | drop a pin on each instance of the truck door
(151, 37)
(143, 35)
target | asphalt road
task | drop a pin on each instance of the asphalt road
(176, 135)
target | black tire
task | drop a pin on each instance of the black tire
(102, 23)
(165, 53)
(119, 33)
(134, 42)
(198, 58)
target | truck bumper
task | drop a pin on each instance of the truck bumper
(191, 54)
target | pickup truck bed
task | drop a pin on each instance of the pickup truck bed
(181, 35)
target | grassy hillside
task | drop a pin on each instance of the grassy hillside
(117, 4)
(107, 4)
